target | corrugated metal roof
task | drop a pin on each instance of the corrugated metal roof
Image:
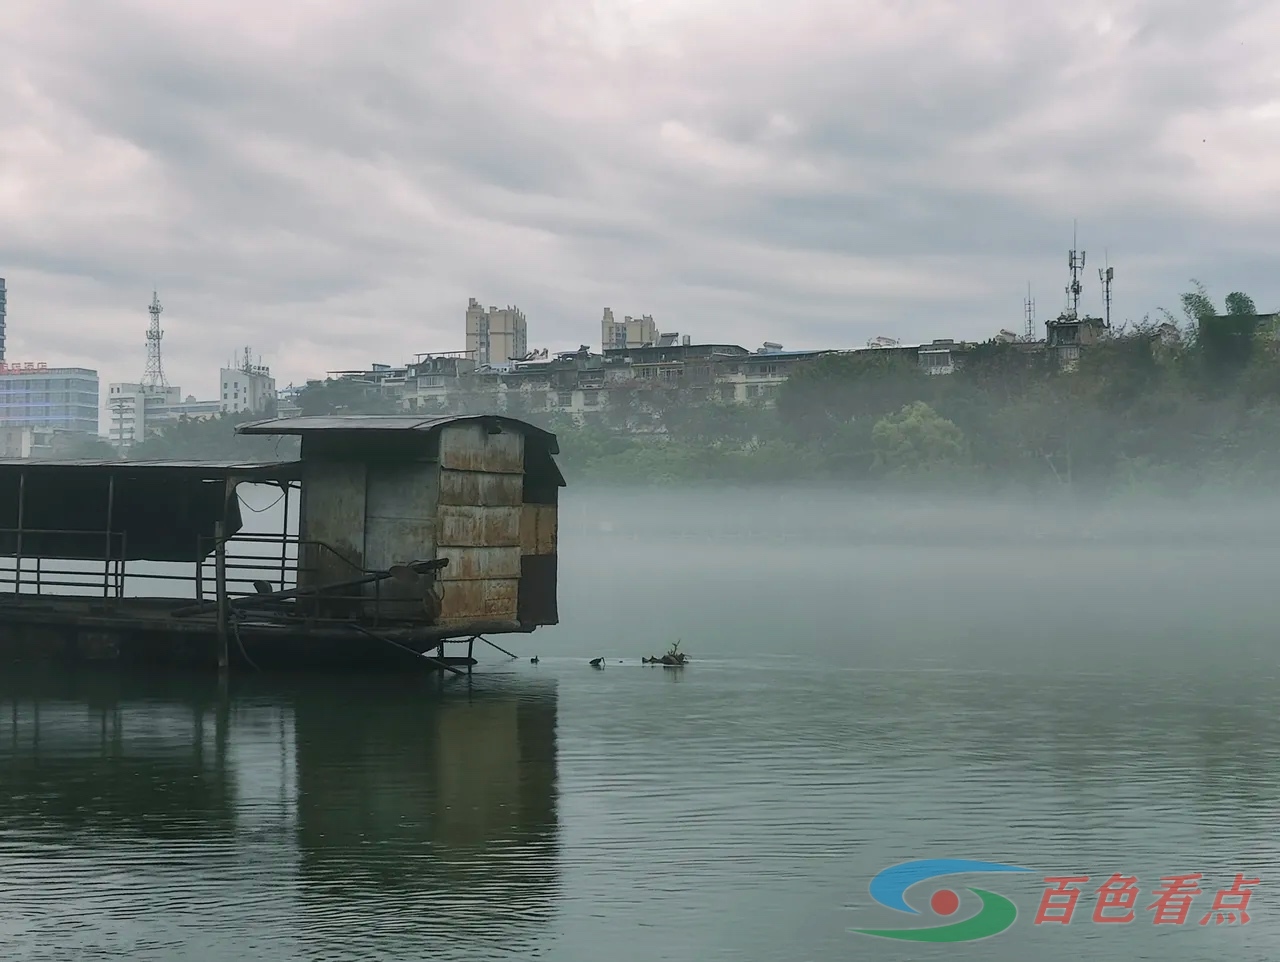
(379, 422)
(276, 470)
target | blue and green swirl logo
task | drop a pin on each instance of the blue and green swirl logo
(889, 888)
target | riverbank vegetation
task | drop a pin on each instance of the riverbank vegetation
(1167, 405)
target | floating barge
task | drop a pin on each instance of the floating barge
(412, 534)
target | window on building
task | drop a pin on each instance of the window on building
(753, 390)
(591, 398)
(565, 399)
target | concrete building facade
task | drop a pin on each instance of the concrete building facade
(246, 389)
(52, 398)
(496, 336)
(630, 332)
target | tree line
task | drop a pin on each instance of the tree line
(1163, 405)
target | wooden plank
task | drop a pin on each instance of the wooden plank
(469, 447)
(476, 526)
(480, 564)
(469, 600)
(486, 490)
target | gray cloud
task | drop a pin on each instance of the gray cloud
(330, 182)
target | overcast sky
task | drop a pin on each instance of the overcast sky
(330, 180)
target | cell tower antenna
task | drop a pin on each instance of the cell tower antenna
(1029, 310)
(1076, 263)
(1106, 274)
(153, 377)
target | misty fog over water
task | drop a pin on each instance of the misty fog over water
(1073, 687)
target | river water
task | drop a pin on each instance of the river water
(1074, 691)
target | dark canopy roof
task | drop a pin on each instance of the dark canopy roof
(172, 470)
(392, 422)
(155, 510)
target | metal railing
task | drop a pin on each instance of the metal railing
(249, 561)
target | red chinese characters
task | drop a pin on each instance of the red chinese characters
(1117, 897)
(1059, 903)
(1231, 905)
(1173, 898)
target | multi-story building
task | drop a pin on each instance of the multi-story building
(50, 398)
(138, 410)
(246, 389)
(629, 332)
(496, 336)
(4, 310)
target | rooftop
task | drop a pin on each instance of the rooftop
(384, 423)
(186, 470)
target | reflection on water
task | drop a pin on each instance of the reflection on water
(1097, 705)
(324, 820)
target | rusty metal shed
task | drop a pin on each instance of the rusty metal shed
(478, 491)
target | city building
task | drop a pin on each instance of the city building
(4, 310)
(137, 410)
(34, 395)
(629, 332)
(496, 336)
(248, 388)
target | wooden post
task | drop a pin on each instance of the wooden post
(284, 537)
(220, 587)
(17, 551)
(111, 507)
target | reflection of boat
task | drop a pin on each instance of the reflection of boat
(438, 783)
(349, 799)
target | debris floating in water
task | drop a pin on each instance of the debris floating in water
(597, 662)
(674, 658)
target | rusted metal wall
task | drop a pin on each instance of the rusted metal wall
(400, 527)
(400, 507)
(332, 512)
(478, 527)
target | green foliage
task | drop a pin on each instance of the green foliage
(917, 439)
(1140, 414)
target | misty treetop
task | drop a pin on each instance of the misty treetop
(1159, 405)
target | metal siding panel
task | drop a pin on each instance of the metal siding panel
(548, 529)
(488, 490)
(536, 603)
(538, 529)
(529, 529)
(469, 447)
(389, 541)
(469, 600)
(333, 513)
(400, 504)
(480, 564)
(476, 526)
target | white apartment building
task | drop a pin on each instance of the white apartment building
(246, 389)
(136, 410)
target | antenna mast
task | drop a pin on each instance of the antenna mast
(1106, 276)
(1029, 310)
(153, 377)
(1076, 263)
